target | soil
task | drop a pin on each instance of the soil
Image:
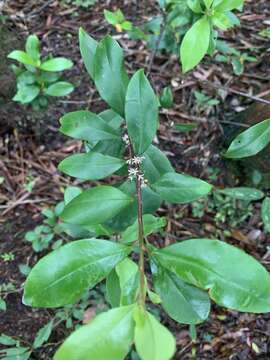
(31, 148)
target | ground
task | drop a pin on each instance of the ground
(28, 151)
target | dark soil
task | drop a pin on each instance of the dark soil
(28, 149)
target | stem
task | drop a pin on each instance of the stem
(141, 242)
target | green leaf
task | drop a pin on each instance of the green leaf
(151, 202)
(128, 275)
(250, 142)
(3, 305)
(265, 212)
(22, 57)
(26, 94)
(111, 147)
(221, 21)
(233, 278)
(90, 166)
(180, 189)
(243, 193)
(95, 206)
(61, 277)
(32, 47)
(88, 48)
(150, 224)
(152, 340)
(109, 66)
(183, 302)
(61, 88)
(43, 335)
(114, 18)
(7, 340)
(155, 164)
(195, 44)
(227, 5)
(108, 336)
(195, 6)
(113, 291)
(185, 127)
(166, 98)
(238, 65)
(88, 126)
(141, 112)
(70, 193)
(56, 64)
(208, 3)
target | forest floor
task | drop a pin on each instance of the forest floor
(28, 159)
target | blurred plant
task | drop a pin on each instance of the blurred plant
(233, 57)
(166, 98)
(185, 27)
(205, 102)
(81, 3)
(38, 80)
(13, 349)
(227, 209)
(43, 236)
(265, 33)
(6, 257)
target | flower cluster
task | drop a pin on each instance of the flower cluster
(135, 172)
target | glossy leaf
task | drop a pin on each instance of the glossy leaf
(61, 277)
(141, 112)
(155, 164)
(128, 275)
(243, 193)
(108, 336)
(90, 166)
(96, 205)
(32, 47)
(151, 202)
(197, 37)
(178, 188)
(113, 291)
(70, 193)
(22, 57)
(56, 64)
(88, 126)
(153, 341)
(227, 5)
(150, 224)
(250, 142)
(109, 66)
(265, 212)
(233, 278)
(88, 47)
(111, 147)
(26, 94)
(183, 302)
(61, 88)
(195, 6)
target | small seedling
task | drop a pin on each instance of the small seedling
(37, 79)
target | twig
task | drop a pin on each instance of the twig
(233, 91)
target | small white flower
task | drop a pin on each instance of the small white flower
(137, 160)
(126, 139)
